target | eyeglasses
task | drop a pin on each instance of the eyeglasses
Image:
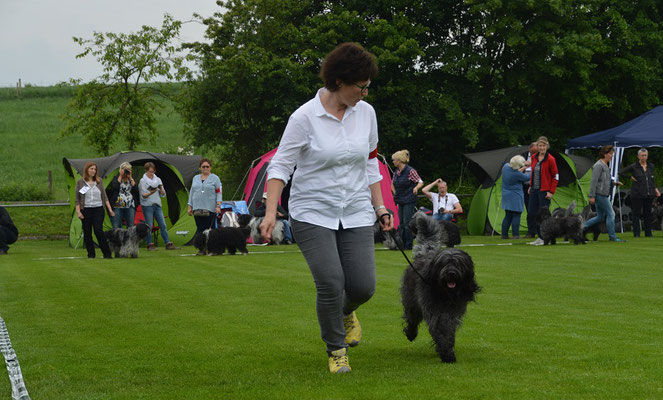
(363, 88)
(204, 166)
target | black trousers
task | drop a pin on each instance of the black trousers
(94, 220)
(203, 223)
(6, 237)
(641, 207)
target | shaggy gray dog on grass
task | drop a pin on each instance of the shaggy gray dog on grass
(447, 232)
(439, 290)
(277, 233)
(124, 242)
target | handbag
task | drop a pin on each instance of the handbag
(201, 213)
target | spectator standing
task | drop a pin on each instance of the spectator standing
(8, 231)
(151, 190)
(205, 197)
(643, 191)
(531, 232)
(405, 185)
(123, 196)
(543, 183)
(513, 177)
(90, 198)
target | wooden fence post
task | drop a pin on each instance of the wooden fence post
(18, 88)
(50, 181)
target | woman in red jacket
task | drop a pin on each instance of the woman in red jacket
(543, 182)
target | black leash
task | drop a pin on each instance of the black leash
(393, 236)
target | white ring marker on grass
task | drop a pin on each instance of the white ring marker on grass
(19, 392)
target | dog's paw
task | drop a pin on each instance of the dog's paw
(411, 332)
(448, 357)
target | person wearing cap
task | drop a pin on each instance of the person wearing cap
(281, 215)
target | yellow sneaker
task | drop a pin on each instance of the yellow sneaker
(352, 329)
(338, 362)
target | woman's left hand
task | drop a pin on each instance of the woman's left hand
(111, 213)
(218, 209)
(387, 223)
(549, 195)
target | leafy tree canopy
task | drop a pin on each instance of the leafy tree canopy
(455, 76)
(118, 105)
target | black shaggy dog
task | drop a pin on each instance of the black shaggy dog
(124, 242)
(215, 241)
(554, 227)
(595, 230)
(447, 234)
(440, 295)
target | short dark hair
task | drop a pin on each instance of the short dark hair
(605, 150)
(348, 63)
(203, 161)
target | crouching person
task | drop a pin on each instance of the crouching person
(8, 231)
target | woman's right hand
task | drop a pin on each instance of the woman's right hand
(189, 210)
(80, 215)
(267, 226)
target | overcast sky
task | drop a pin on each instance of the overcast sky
(36, 35)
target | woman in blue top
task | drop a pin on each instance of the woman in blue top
(205, 197)
(513, 197)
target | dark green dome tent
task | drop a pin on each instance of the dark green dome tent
(175, 171)
(486, 215)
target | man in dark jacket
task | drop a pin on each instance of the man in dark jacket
(8, 231)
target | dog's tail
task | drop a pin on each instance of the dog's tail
(571, 208)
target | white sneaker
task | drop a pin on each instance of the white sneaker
(537, 242)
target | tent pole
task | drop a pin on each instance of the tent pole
(245, 175)
(497, 210)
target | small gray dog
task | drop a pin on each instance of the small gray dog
(124, 242)
(277, 233)
(446, 234)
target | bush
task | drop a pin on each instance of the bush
(14, 191)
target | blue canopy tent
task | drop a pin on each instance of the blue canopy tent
(643, 131)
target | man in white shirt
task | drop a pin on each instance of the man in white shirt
(445, 205)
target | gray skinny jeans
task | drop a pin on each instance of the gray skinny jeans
(342, 263)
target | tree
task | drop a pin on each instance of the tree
(118, 104)
(455, 75)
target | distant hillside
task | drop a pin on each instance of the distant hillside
(31, 146)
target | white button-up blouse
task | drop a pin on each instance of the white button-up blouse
(330, 184)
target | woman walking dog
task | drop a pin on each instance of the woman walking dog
(335, 195)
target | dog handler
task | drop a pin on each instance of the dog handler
(335, 195)
(599, 193)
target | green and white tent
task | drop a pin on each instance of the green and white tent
(175, 171)
(486, 215)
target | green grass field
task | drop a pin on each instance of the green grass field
(553, 322)
(30, 131)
